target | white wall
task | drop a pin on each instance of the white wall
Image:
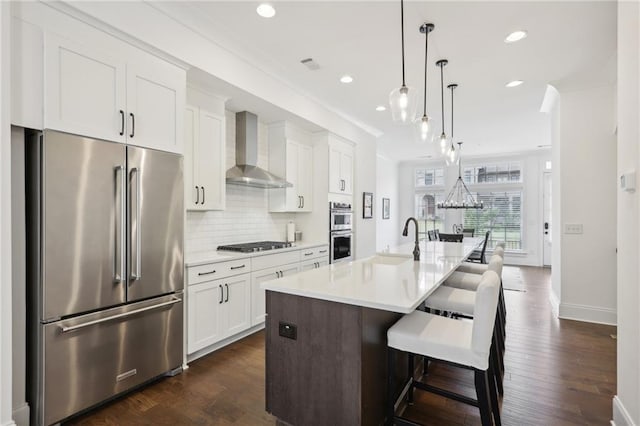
(365, 181)
(588, 197)
(626, 405)
(532, 178)
(5, 220)
(388, 231)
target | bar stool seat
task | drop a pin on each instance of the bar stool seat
(470, 280)
(451, 299)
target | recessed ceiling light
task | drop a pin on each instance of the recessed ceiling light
(381, 108)
(266, 10)
(346, 79)
(514, 83)
(515, 36)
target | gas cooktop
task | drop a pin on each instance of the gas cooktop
(257, 246)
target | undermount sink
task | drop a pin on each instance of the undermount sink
(389, 259)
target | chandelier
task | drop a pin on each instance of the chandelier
(460, 197)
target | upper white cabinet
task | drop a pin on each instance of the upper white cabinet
(340, 167)
(291, 157)
(204, 159)
(134, 98)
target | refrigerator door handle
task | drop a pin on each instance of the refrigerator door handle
(119, 254)
(137, 273)
(118, 316)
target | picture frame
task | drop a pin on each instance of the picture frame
(367, 205)
(386, 206)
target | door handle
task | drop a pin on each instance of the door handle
(203, 195)
(138, 231)
(546, 225)
(121, 122)
(197, 194)
(221, 294)
(119, 254)
(206, 273)
(227, 298)
(237, 267)
(133, 124)
(117, 316)
(302, 201)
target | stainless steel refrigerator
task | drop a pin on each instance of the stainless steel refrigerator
(105, 231)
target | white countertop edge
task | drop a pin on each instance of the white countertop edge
(216, 256)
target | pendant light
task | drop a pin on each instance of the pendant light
(403, 101)
(423, 123)
(453, 155)
(443, 136)
(460, 197)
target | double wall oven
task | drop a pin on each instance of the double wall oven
(341, 234)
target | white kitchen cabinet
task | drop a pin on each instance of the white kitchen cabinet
(313, 264)
(341, 159)
(134, 98)
(292, 160)
(258, 300)
(204, 159)
(217, 309)
(314, 257)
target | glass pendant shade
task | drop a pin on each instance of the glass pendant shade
(403, 103)
(452, 156)
(444, 143)
(423, 128)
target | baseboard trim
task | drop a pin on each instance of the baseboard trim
(588, 313)
(555, 303)
(21, 415)
(221, 344)
(621, 416)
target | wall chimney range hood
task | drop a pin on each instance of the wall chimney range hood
(246, 172)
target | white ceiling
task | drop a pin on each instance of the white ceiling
(568, 41)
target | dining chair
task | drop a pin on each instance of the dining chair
(452, 238)
(468, 232)
(478, 255)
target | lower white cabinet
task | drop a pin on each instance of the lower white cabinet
(258, 302)
(313, 264)
(217, 309)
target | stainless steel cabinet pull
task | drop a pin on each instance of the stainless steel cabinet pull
(237, 267)
(302, 206)
(317, 264)
(203, 195)
(206, 273)
(137, 273)
(121, 122)
(221, 294)
(197, 194)
(322, 251)
(278, 274)
(119, 255)
(133, 124)
(122, 315)
(227, 298)
(308, 254)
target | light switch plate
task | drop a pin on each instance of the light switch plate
(573, 228)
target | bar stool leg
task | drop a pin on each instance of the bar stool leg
(494, 361)
(493, 396)
(482, 390)
(410, 373)
(391, 364)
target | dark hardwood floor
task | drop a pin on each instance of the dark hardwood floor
(558, 372)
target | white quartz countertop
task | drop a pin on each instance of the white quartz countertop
(390, 281)
(215, 256)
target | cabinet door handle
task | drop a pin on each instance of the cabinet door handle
(221, 294)
(206, 273)
(317, 265)
(121, 122)
(237, 267)
(227, 298)
(302, 201)
(203, 195)
(308, 254)
(133, 124)
(197, 194)
(322, 251)
(278, 274)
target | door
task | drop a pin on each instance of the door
(83, 222)
(155, 105)
(204, 326)
(156, 218)
(236, 307)
(84, 90)
(335, 181)
(292, 194)
(210, 156)
(546, 225)
(346, 172)
(305, 177)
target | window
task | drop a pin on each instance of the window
(426, 213)
(493, 173)
(429, 177)
(501, 215)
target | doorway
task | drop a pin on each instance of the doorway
(546, 220)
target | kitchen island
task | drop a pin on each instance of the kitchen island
(326, 332)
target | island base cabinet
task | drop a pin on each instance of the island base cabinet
(334, 371)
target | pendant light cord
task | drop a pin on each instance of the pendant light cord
(442, 93)
(402, 36)
(426, 51)
(452, 87)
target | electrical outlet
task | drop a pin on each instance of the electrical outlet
(573, 228)
(287, 330)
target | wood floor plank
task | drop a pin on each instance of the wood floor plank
(557, 372)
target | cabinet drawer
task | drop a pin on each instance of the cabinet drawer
(214, 271)
(271, 260)
(314, 252)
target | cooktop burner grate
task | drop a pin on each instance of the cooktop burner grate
(257, 246)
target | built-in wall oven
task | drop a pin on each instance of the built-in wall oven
(341, 234)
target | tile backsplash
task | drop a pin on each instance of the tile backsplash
(246, 217)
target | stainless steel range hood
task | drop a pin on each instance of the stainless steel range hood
(246, 172)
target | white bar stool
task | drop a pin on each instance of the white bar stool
(462, 344)
(479, 268)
